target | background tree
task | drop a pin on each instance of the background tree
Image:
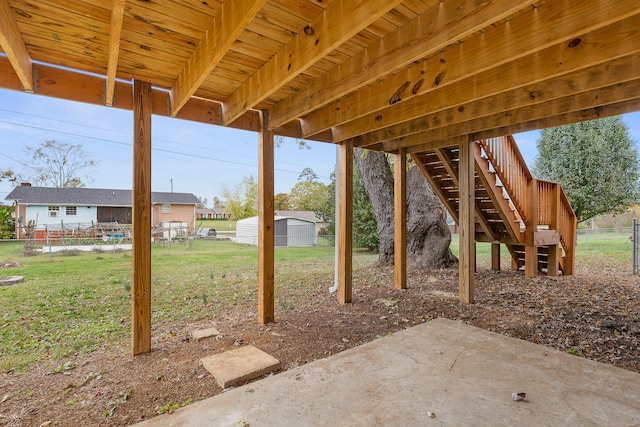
(365, 226)
(428, 236)
(595, 161)
(7, 223)
(56, 164)
(202, 202)
(8, 175)
(242, 200)
(309, 194)
(281, 202)
(217, 203)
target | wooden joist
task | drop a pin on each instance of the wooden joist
(13, 45)
(342, 20)
(520, 38)
(234, 17)
(117, 16)
(437, 28)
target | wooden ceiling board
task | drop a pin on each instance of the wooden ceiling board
(467, 76)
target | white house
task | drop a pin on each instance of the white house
(72, 207)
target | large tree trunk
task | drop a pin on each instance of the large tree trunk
(428, 236)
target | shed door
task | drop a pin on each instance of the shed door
(280, 230)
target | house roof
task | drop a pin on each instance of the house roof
(91, 196)
(302, 215)
(386, 74)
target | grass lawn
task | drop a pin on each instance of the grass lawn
(218, 224)
(77, 303)
(70, 304)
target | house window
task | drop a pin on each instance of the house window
(53, 210)
(72, 210)
(166, 208)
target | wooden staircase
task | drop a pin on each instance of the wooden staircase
(532, 217)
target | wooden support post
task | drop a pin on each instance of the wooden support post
(266, 241)
(495, 256)
(466, 183)
(400, 218)
(345, 192)
(570, 256)
(141, 221)
(553, 259)
(531, 251)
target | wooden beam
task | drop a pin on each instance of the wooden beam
(525, 35)
(141, 221)
(64, 84)
(437, 28)
(266, 242)
(339, 22)
(14, 47)
(117, 16)
(449, 108)
(467, 221)
(400, 218)
(596, 98)
(495, 256)
(345, 206)
(544, 82)
(234, 17)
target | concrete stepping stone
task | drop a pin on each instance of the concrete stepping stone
(10, 280)
(204, 333)
(243, 364)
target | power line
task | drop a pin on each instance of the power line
(127, 134)
(153, 149)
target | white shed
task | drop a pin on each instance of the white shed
(288, 231)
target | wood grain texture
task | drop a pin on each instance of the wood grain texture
(141, 221)
(467, 222)
(523, 36)
(337, 24)
(265, 222)
(14, 47)
(117, 15)
(440, 26)
(400, 218)
(234, 18)
(345, 221)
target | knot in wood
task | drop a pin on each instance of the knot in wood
(438, 79)
(417, 86)
(534, 94)
(397, 96)
(309, 31)
(575, 42)
(379, 117)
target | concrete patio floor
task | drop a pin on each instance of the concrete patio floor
(441, 373)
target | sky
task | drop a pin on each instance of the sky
(187, 157)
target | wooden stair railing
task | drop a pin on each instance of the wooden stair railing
(530, 216)
(543, 205)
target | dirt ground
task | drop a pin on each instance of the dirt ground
(595, 314)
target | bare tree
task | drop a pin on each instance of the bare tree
(58, 164)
